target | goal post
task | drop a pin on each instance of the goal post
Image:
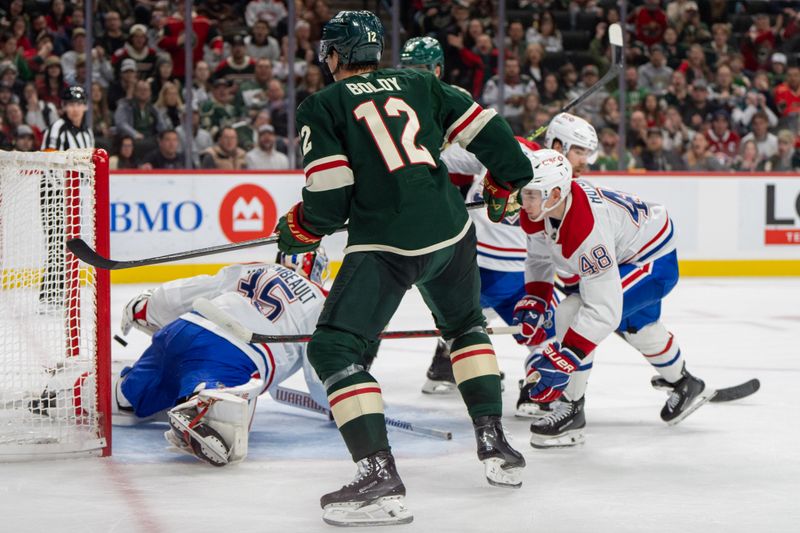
(55, 349)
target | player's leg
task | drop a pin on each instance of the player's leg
(364, 296)
(451, 289)
(644, 288)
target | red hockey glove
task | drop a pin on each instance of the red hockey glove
(294, 238)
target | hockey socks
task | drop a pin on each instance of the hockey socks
(357, 407)
(660, 349)
(477, 374)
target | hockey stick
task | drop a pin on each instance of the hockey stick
(88, 255)
(304, 400)
(617, 64)
(235, 328)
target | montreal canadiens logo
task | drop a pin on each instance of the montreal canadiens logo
(247, 212)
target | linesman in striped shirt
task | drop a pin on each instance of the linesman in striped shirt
(68, 132)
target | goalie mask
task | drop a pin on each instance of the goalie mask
(572, 131)
(311, 265)
(551, 170)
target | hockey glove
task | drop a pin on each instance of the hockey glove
(498, 198)
(530, 313)
(553, 366)
(294, 238)
(135, 315)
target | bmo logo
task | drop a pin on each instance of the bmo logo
(247, 212)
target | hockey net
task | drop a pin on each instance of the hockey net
(54, 310)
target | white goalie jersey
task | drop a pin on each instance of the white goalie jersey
(265, 298)
(601, 230)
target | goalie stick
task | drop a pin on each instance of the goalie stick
(235, 328)
(304, 400)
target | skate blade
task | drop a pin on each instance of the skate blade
(701, 400)
(212, 455)
(497, 476)
(387, 511)
(530, 410)
(176, 445)
(565, 440)
(439, 387)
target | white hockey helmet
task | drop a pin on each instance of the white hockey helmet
(551, 170)
(572, 131)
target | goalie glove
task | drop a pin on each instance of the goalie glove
(135, 315)
(530, 314)
(500, 199)
(294, 237)
(552, 368)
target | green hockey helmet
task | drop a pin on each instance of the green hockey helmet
(357, 36)
(424, 51)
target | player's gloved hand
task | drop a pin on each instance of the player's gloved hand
(497, 197)
(552, 366)
(294, 238)
(135, 315)
(530, 313)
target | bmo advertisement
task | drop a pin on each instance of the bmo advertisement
(724, 224)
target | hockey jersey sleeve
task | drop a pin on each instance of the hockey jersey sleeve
(329, 177)
(539, 269)
(484, 133)
(459, 161)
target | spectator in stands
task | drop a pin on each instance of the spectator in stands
(202, 139)
(777, 66)
(787, 94)
(525, 122)
(138, 50)
(260, 44)
(139, 118)
(655, 76)
(37, 112)
(699, 106)
(123, 7)
(8, 76)
(278, 107)
(475, 29)
(170, 105)
(592, 105)
(608, 153)
(544, 32)
(694, 67)
(634, 95)
(725, 93)
(759, 43)
(11, 10)
(676, 135)
(693, 29)
(552, 96)
(25, 140)
(533, 63)
(52, 84)
(650, 22)
(722, 141)
(317, 15)
(13, 118)
(674, 51)
(252, 93)
(238, 66)
(484, 10)
(202, 86)
(486, 51)
(270, 11)
(166, 155)
(265, 156)
(10, 54)
(113, 38)
(515, 40)
(218, 110)
(749, 158)
(698, 158)
(69, 59)
(753, 104)
(173, 35)
(124, 157)
(655, 158)
(637, 133)
(304, 50)
(102, 119)
(652, 111)
(719, 49)
(226, 154)
(569, 78)
(312, 82)
(123, 87)
(247, 131)
(162, 75)
(787, 159)
(516, 87)
(678, 91)
(766, 142)
(464, 67)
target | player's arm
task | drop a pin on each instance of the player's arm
(530, 311)
(459, 161)
(329, 181)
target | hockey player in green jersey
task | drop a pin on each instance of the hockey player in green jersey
(370, 144)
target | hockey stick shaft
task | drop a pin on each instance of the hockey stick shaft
(304, 400)
(235, 328)
(88, 255)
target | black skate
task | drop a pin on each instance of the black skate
(527, 408)
(561, 428)
(190, 434)
(376, 497)
(686, 396)
(503, 464)
(440, 373)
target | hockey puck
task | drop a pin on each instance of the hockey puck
(120, 340)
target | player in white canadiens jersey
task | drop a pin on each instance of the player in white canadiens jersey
(622, 252)
(206, 379)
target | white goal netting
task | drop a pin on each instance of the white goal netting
(48, 306)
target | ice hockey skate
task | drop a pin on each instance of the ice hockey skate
(503, 464)
(376, 497)
(527, 408)
(563, 427)
(206, 443)
(686, 396)
(440, 373)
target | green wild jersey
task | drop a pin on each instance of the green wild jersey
(371, 148)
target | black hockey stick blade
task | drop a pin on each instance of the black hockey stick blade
(737, 392)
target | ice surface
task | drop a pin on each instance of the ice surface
(728, 467)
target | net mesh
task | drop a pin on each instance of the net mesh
(48, 314)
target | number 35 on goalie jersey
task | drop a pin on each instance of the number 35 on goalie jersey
(371, 147)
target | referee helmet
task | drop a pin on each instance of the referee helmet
(75, 93)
